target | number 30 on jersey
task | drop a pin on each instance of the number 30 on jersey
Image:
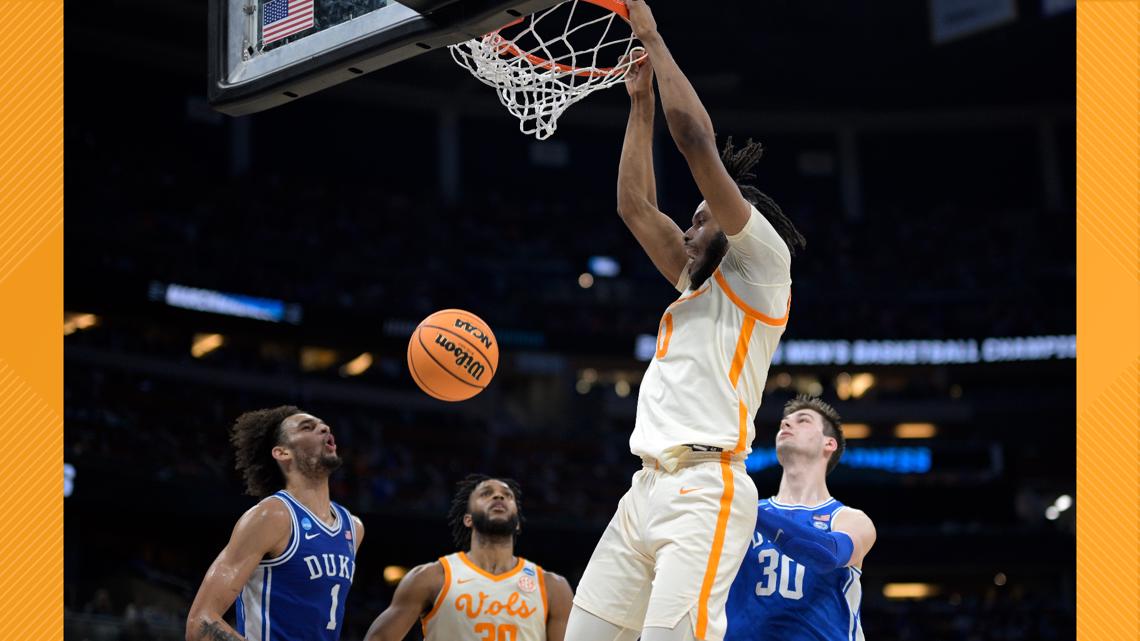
(789, 578)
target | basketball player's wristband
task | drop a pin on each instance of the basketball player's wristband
(818, 550)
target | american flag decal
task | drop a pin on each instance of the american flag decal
(821, 517)
(282, 18)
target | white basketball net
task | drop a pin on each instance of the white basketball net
(551, 60)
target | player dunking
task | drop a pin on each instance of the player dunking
(800, 581)
(290, 560)
(483, 592)
(664, 565)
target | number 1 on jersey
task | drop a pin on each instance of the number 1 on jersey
(332, 609)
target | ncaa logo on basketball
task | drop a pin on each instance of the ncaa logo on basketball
(475, 332)
(527, 584)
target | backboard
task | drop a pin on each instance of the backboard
(264, 53)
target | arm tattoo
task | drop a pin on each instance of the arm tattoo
(213, 631)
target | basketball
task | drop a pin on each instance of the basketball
(452, 355)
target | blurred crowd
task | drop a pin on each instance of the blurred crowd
(969, 266)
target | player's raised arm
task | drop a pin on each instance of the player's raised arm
(857, 525)
(658, 235)
(414, 597)
(561, 599)
(690, 126)
(261, 531)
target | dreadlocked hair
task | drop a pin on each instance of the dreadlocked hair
(253, 435)
(832, 424)
(461, 501)
(739, 164)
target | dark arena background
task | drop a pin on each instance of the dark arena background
(931, 170)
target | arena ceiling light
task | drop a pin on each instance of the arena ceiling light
(393, 574)
(205, 343)
(75, 321)
(915, 430)
(854, 431)
(853, 385)
(910, 590)
(317, 358)
(357, 366)
(604, 266)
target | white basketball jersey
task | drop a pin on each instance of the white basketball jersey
(714, 347)
(475, 605)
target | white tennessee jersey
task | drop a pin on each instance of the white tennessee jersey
(475, 605)
(714, 347)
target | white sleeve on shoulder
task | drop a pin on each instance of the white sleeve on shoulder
(758, 255)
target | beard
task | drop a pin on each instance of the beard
(320, 465)
(481, 522)
(704, 266)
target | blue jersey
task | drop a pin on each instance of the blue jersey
(773, 597)
(300, 595)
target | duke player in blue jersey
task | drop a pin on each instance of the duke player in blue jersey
(800, 578)
(290, 560)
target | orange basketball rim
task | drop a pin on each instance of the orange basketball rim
(507, 47)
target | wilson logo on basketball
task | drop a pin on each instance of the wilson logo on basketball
(475, 332)
(463, 358)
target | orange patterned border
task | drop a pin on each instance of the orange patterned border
(31, 341)
(1108, 319)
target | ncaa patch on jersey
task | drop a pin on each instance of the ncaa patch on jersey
(819, 526)
(306, 523)
(527, 584)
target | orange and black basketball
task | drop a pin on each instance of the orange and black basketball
(453, 355)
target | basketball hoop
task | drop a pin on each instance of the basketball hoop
(542, 64)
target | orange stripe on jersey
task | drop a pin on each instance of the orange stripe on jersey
(740, 442)
(767, 320)
(542, 589)
(689, 297)
(494, 577)
(664, 333)
(442, 594)
(717, 545)
(741, 353)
